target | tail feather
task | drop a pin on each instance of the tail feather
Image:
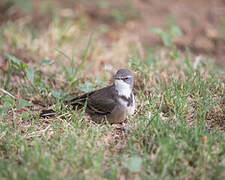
(47, 113)
(77, 103)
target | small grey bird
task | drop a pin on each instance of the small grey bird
(113, 102)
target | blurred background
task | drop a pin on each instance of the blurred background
(198, 25)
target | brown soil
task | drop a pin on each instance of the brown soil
(201, 21)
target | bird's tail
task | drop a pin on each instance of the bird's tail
(47, 113)
(76, 103)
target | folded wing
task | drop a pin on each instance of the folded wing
(98, 102)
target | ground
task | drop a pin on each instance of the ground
(52, 50)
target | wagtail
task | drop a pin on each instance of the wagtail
(113, 102)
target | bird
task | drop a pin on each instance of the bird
(112, 103)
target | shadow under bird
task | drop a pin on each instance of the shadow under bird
(113, 103)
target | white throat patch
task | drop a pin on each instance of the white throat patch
(123, 88)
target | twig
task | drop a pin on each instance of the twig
(6, 92)
(2, 135)
(38, 133)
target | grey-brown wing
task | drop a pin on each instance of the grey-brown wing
(100, 104)
(79, 101)
(101, 101)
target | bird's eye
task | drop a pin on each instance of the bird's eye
(126, 79)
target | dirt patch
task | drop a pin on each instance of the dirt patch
(201, 22)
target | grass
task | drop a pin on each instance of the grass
(177, 131)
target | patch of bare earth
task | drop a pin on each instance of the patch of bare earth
(216, 116)
(201, 22)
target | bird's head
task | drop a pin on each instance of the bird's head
(124, 82)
